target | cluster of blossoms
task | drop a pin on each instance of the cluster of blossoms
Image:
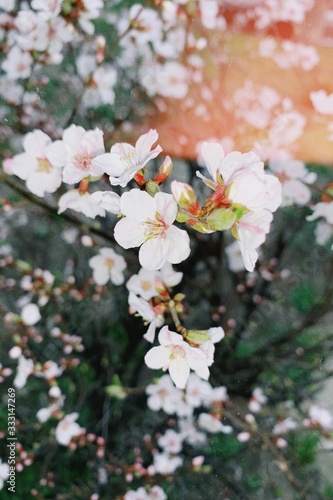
(147, 221)
(76, 167)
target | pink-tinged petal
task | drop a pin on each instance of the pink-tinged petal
(179, 245)
(73, 175)
(138, 205)
(167, 337)
(144, 143)
(73, 135)
(93, 142)
(110, 163)
(35, 143)
(23, 164)
(273, 192)
(56, 153)
(236, 163)
(179, 371)
(158, 357)
(213, 154)
(143, 146)
(128, 233)
(150, 333)
(166, 207)
(253, 227)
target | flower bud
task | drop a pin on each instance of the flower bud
(165, 171)
(221, 219)
(185, 197)
(196, 336)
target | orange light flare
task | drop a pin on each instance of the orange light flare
(220, 107)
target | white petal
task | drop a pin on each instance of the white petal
(179, 245)
(56, 153)
(23, 164)
(150, 333)
(138, 205)
(152, 254)
(179, 371)
(213, 154)
(166, 207)
(157, 357)
(110, 163)
(35, 143)
(73, 135)
(129, 233)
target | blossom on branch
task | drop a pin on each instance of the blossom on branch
(35, 165)
(177, 356)
(108, 265)
(148, 223)
(125, 160)
(243, 200)
(76, 151)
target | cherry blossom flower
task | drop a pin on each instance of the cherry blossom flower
(124, 160)
(292, 175)
(17, 64)
(30, 314)
(320, 416)
(322, 209)
(166, 464)
(257, 399)
(198, 391)
(175, 355)
(146, 282)
(250, 210)
(148, 313)
(212, 424)
(148, 223)
(139, 494)
(170, 79)
(190, 432)
(143, 284)
(49, 370)
(101, 89)
(34, 165)
(85, 203)
(108, 265)
(284, 426)
(163, 395)
(51, 8)
(171, 442)
(4, 471)
(76, 151)
(251, 232)
(67, 428)
(24, 368)
(322, 102)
